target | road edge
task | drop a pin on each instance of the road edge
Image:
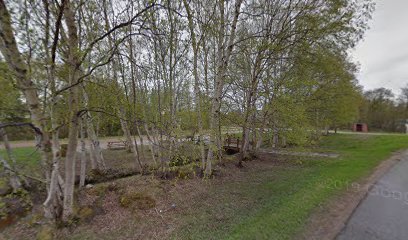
(331, 218)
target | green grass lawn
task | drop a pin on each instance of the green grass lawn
(27, 158)
(280, 201)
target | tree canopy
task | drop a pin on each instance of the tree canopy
(279, 70)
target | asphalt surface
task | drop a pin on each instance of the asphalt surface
(383, 214)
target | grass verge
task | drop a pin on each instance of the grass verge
(282, 199)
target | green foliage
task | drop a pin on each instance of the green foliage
(16, 204)
(12, 108)
(179, 160)
(382, 112)
(334, 96)
(9, 95)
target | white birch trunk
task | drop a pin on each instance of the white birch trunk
(152, 145)
(53, 203)
(275, 139)
(259, 140)
(82, 174)
(10, 52)
(96, 155)
(14, 179)
(197, 94)
(141, 142)
(73, 102)
(7, 146)
(125, 128)
(224, 53)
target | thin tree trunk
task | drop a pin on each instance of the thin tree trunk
(245, 132)
(197, 94)
(245, 144)
(15, 181)
(54, 202)
(7, 146)
(73, 103)
(94, 165)
(152, 145)
(259, 140)
(131, 143)
(83, 155)
(10, 52)
(275, 139)
(141, 141)
(255, 130)
(53, 205)
(96, 155)
(250, 105)
(125, 128)
(224, 53)
(136, 154)
(284, 142)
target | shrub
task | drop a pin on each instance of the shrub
(86, 213)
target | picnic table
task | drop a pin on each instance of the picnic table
(117, 145)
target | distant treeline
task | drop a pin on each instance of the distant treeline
(382, 110)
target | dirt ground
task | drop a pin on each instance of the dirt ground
(330, 219)
(102, 214)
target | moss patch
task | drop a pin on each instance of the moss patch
(137, 200)
(5, 187)
(46, 233)
(86, 213)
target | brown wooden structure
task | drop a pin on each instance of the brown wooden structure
(360, 127)
(232, 145)
(117, 145)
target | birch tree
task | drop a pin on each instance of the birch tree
(225, 46)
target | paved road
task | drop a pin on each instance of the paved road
(383, 214)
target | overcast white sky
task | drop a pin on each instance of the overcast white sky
(383, 54)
